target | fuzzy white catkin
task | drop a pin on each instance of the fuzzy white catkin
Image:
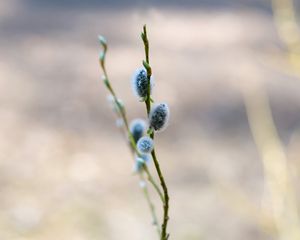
(137, 128)
(145, 145)
(114, 106)
(140, 161)
(159, 117)
(139, 83)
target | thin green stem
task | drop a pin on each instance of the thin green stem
(146, 63)
(164, 234)
(151, 205)
(146, 43)
(150, 179)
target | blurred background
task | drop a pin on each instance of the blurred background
(225, 68)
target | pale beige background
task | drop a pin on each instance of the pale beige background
(65, 171)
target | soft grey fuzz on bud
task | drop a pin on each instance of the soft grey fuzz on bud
(159, 117)
(140, 83)
(137, 128)
(140, 161)
(145, 145)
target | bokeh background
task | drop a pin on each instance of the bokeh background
(65, 170)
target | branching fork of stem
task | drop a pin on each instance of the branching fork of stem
(121, 111)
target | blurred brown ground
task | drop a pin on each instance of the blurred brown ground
(65, 171)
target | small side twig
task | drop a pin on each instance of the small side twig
(122, 112)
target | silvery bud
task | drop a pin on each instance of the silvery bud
(140, 161)
(159, 117)
(140, 83)
(116, 104)
(137, 128)
(145, 145)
